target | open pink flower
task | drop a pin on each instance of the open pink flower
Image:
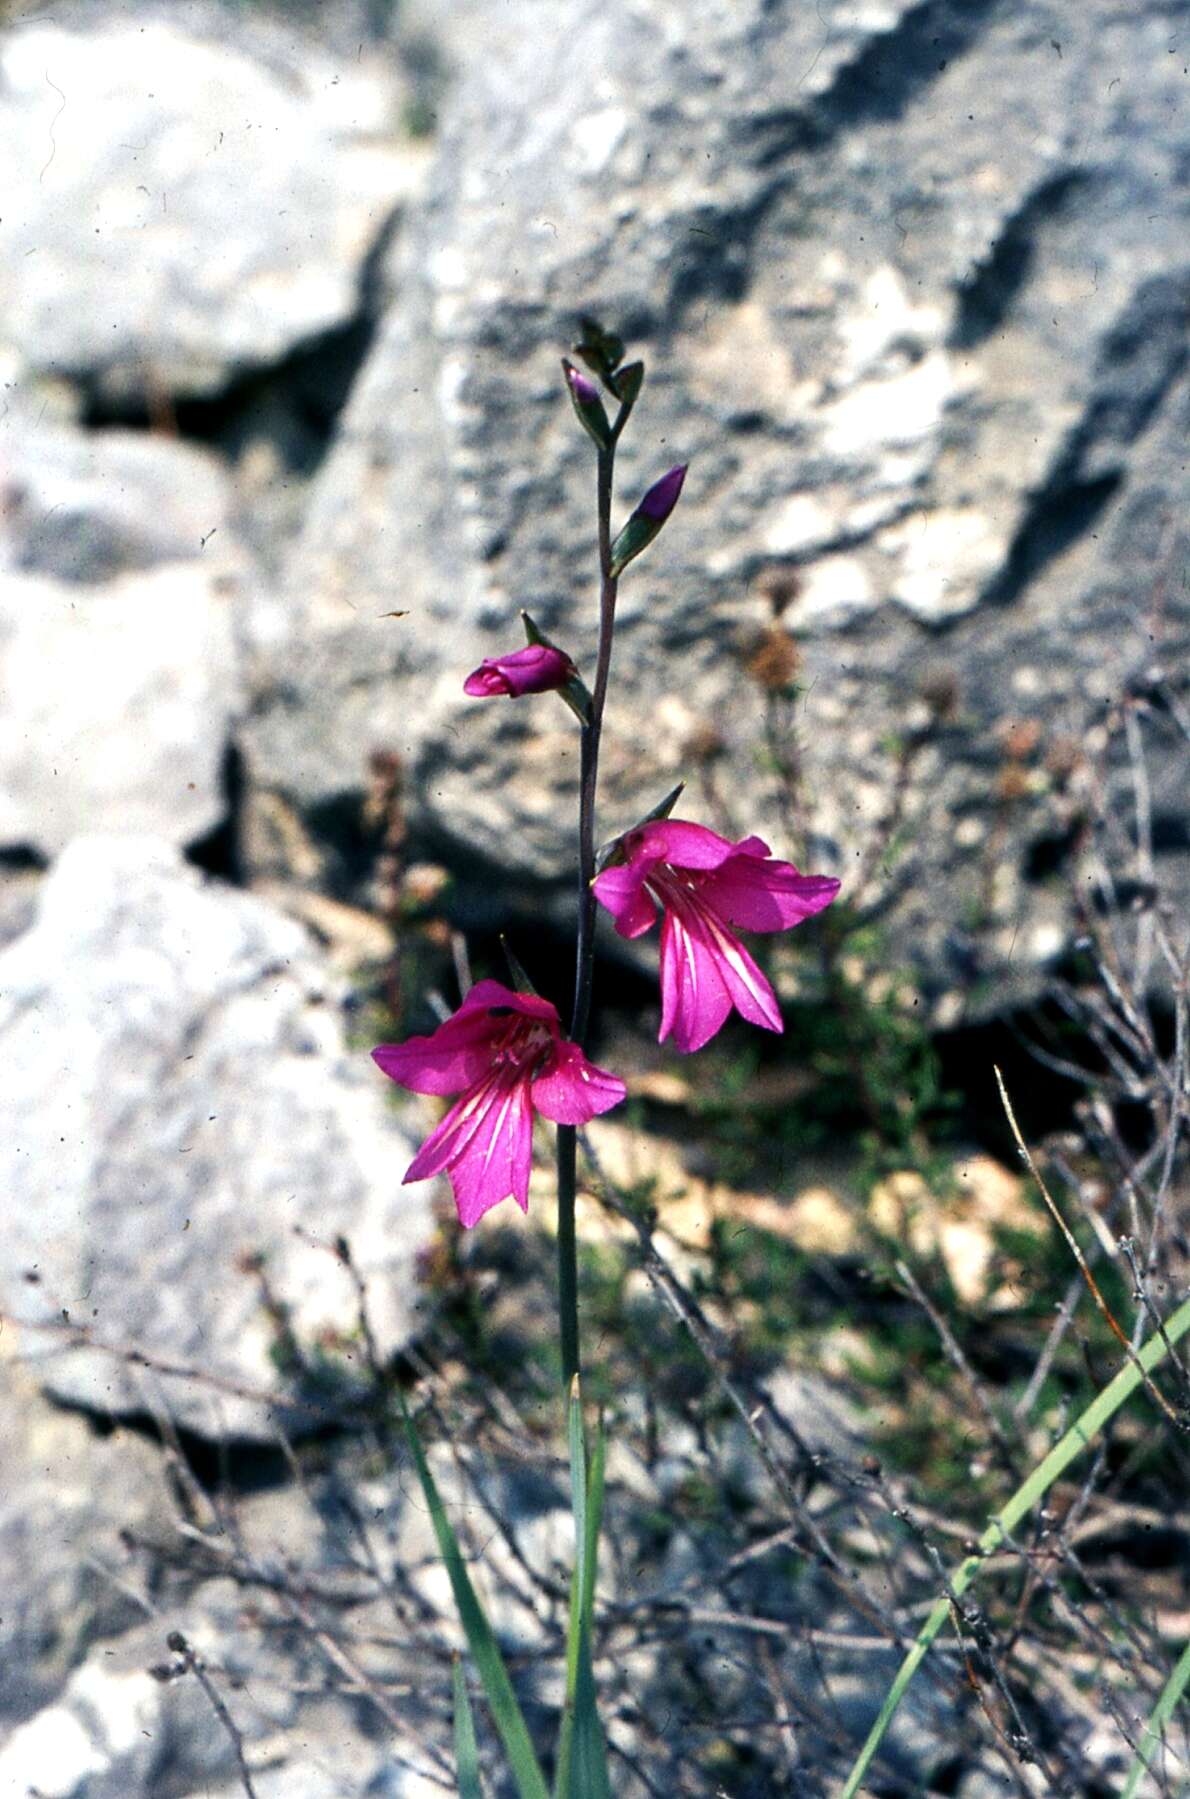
(704, 884)
(505, 1054)
(538, 668)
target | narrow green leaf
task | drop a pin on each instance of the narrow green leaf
(574, 1632)
(485, 1651)
(466, 1747)
(1159, 1718)
(588, 1771)
(582, 1757)
(999, 1532)
(594, 1521)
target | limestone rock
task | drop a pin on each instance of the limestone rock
(911, 286)
(116, 704)
(181, 207)
(68, 1492)
(185, 1135)
(84, 506)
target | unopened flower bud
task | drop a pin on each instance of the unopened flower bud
(587, 404)
(648, 518)
(538, 668)
(626, 384)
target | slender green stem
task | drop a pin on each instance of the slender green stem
(999, 1532)
(567, 1253)
(585, 941)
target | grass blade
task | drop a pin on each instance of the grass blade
(485, 1651)
(466, 1748)
(1154, 1731)
(1034, 1488)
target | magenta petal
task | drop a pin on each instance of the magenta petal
(682, 844)
(751, 994)
(621, 889)
(695, 1000)
(573, 1090)
(538, 668)
(459, 1052)
(486, 682)
(485, 1144)
(766, 896)
(486, 995)
(455, 1056)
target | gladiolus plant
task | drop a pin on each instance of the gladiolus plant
(503, 1055)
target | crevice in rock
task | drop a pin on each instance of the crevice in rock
(1143, 357)
(220, 851)
(1044, 1101)
(22, 858)
(234, 1465)
(875, 87)
(879, 83)
(987, 295)
(1049, 855)
(1058, 517)
(294, 403)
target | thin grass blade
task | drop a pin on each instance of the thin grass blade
(485, 1651)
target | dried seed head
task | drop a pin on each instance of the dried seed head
(775, 660)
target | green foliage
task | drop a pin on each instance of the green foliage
(999, 1532)
(506, 1712)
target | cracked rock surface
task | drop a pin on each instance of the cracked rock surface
(179, 206)
(911, 284)
(181, 1113)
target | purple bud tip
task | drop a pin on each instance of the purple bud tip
(538, 668)
(662, 497)
(583, 389)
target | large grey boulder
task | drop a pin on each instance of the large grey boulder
(181, 207)
(911, 284)
(68, 1493)
(182, 1120)
(85, 506)
(117, 703)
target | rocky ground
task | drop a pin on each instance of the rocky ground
(282, 295)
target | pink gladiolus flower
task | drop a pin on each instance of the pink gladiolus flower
(505, 1054)
(538, 668)
(705, 885)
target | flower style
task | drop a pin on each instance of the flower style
(505, 1054)
(704, 885)
(538, 668)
